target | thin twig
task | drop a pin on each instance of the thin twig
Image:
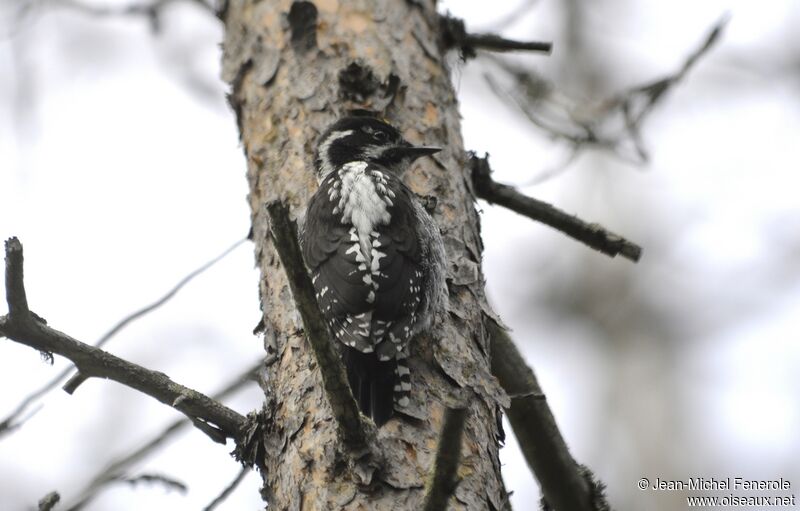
(77, 379)
(566, 485)
(343, 404)
(442, 483)
(13, 420)
(228, 490)
(593, 235)
(24, 327)
(119, 467)
(650, 94)
(16, 420)
(579, 134)
(170, 483)
(455, 35)
(493, 42)
(615, 123)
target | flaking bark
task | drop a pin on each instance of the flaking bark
(287, 84)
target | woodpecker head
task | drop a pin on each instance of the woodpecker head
(365, 139)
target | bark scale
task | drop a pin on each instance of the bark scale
(294, 67)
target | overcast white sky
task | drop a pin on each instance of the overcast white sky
(120, 171)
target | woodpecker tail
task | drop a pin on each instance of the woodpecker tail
(402, 382)
(373, 383)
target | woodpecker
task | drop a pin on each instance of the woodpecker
(375, 255)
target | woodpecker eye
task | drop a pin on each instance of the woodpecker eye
(380, 136)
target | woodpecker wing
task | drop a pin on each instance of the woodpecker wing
(397, 272)
(370, 301)
(337, 270)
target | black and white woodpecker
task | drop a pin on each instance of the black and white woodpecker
(376, 257)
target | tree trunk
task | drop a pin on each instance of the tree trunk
(294, 67)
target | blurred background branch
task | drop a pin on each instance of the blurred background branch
(151, 11)
(613, 125)
(121, 466)
(226, 492)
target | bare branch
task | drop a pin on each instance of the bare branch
(24, 327)
(49, 501)
(228, 490)
(119, 467)
(593, 235)
(77, 379)
(566, 485)
(15, 280)
(455, 35)
(220, 421)
(343, 404)
(492, 42)
(14, 419)
(442, 483)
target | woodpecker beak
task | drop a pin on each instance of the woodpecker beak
(414, 152)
